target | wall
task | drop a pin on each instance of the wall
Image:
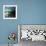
(7, 26)
(28, 12)
(34, 12)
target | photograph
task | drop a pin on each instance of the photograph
(9, 11)
(29, 34)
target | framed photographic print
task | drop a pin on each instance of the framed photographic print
(33, 32)
(9, 11)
